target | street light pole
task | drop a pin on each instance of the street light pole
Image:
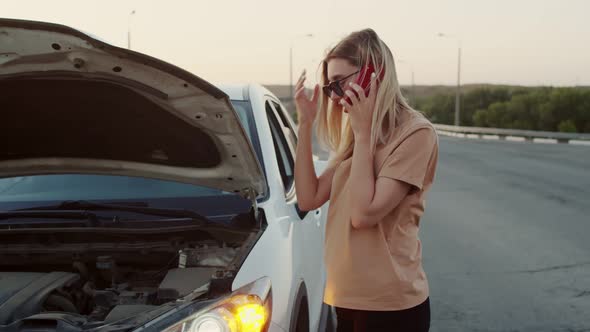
(413, 88)
(458, 90)
(129, 29)
(309, 35)
(458, 94)
(291, 71)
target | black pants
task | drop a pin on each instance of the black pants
(416, 319)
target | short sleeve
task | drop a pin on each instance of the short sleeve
(410, 160)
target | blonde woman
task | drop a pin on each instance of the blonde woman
(383, 159)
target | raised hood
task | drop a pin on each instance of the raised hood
(70, 103)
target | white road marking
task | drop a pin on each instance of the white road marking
(545, 140)
(578, 142)
(510, 138)
(515, 139)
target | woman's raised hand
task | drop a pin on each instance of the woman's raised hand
(307, 108)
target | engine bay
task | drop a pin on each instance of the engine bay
(105, 280)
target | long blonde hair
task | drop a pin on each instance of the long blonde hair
(333, 129)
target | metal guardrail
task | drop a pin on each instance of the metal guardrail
(528, 135)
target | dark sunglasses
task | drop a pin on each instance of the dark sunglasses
(336, 86)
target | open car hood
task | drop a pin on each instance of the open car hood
(73, 104)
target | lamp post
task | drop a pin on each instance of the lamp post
(458, 92)
(129, 29)
(413, 89)
(308, 35)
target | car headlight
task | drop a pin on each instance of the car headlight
(248, 309)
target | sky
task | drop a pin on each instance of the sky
(522, 42)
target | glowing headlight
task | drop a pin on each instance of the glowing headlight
(237, 313)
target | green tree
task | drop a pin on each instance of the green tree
(438, 109)
(480, 118)
(546, 108)
(478, 99)
(567, 126)
(497, 115)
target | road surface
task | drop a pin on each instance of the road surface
(506, 237)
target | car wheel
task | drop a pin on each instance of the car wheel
(302, 324)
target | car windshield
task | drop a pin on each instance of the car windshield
(244, 110)
(95, 187)
(40, 190)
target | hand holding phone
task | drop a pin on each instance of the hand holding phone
(363, 80)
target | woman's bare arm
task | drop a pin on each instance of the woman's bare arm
(312, 192)
(371, 198)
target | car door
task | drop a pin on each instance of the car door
(307, 237)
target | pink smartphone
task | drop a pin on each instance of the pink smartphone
(364, 80)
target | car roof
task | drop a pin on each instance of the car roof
(235, 91)
(245, 91)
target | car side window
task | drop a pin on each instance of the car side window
(286, 124)
(283, 153)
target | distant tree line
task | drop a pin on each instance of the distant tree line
(540, 108)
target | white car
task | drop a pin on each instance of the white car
(135, 196)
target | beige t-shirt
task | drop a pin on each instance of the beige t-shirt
(380, 268)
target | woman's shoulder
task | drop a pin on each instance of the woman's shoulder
(415, 134)
(417, 119)
(413, 123)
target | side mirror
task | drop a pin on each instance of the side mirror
(300, 212)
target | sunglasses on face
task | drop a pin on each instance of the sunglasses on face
(336, 86)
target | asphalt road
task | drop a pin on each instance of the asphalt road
(506, 237)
